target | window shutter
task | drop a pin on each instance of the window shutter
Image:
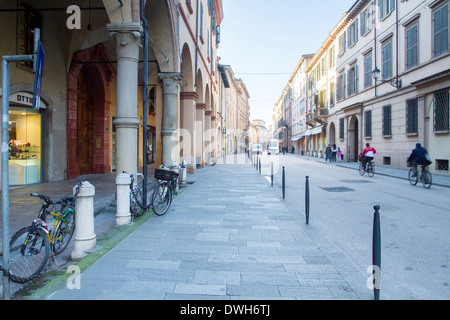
(380, 7)
(362, 16)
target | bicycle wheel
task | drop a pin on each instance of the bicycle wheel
(426, 179)
(213, 161)
(161, 199)
(412, 180)
(136, 203)
(361, 172)
(29, 251)
(370, 170)
(64, 232)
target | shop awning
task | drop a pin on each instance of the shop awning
(317, 130)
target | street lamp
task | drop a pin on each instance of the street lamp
(395, 83)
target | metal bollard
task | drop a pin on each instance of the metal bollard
(85, 238)
(307, 199)
(123, 215)
(376, 252)
(271, 175)
(283, 183)
(259, 161)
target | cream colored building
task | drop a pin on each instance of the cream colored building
(237, 112)
(407, 42)
(382, 77)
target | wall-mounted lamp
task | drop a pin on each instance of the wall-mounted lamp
(376, 73)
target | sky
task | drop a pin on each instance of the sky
(263, 40)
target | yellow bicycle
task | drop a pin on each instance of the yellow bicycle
(50, 232)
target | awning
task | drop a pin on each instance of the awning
(298, 136)
(317, 130)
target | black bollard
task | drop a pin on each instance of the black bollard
(283, 185)
(259, 166)
(376, 253)
(271, 175)
(307, 199)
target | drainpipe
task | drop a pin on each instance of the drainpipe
(145, 107)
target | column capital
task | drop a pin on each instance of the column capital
(128, 38)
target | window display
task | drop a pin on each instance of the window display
(24, 146)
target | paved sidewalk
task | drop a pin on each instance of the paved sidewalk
(229, 236)
(24, 208)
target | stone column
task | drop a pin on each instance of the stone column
(127, 37)
(188, 101)
(169, 123)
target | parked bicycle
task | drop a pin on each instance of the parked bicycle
(211, 159)
(137, 207)
(423, 175)
(50, 233)
(165, 189)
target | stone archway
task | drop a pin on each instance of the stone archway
(88, 113)
(353, 138)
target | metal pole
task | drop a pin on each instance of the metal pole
(283, 181)
(307, 199)
(259, 161)
(5, 165)
(376, 252)
(271, 175)
(145, 87)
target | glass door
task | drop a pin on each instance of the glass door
(25, 156)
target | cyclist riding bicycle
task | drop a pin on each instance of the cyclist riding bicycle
(368, 154)
(418, 156)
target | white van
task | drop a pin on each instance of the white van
(257, 149)
(273, 147)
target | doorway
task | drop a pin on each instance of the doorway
(353, 138)
(85, 115)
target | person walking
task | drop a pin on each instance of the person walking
(333, 152)
(328, 153)
(338, 154)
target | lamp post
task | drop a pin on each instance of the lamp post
(376, 73)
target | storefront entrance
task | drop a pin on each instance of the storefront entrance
(25, 141)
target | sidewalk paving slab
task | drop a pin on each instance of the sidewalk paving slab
(240, 249)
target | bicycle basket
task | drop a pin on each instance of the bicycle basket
(166, 175)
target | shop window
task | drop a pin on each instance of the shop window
(24, 146)
(387, 161)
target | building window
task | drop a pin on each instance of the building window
(352, 79)
(368, 123)
(387, 161)
(387, 60)
(367, 20)
(441, 110)
(341, 128)
(412, 47)
(342, 43)
(368, 71)
(352, 33)
(29, 19)
(441, 165)
(340, 90)
(412, 119)
(385, 7)
(440, 30)
(387, 121)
